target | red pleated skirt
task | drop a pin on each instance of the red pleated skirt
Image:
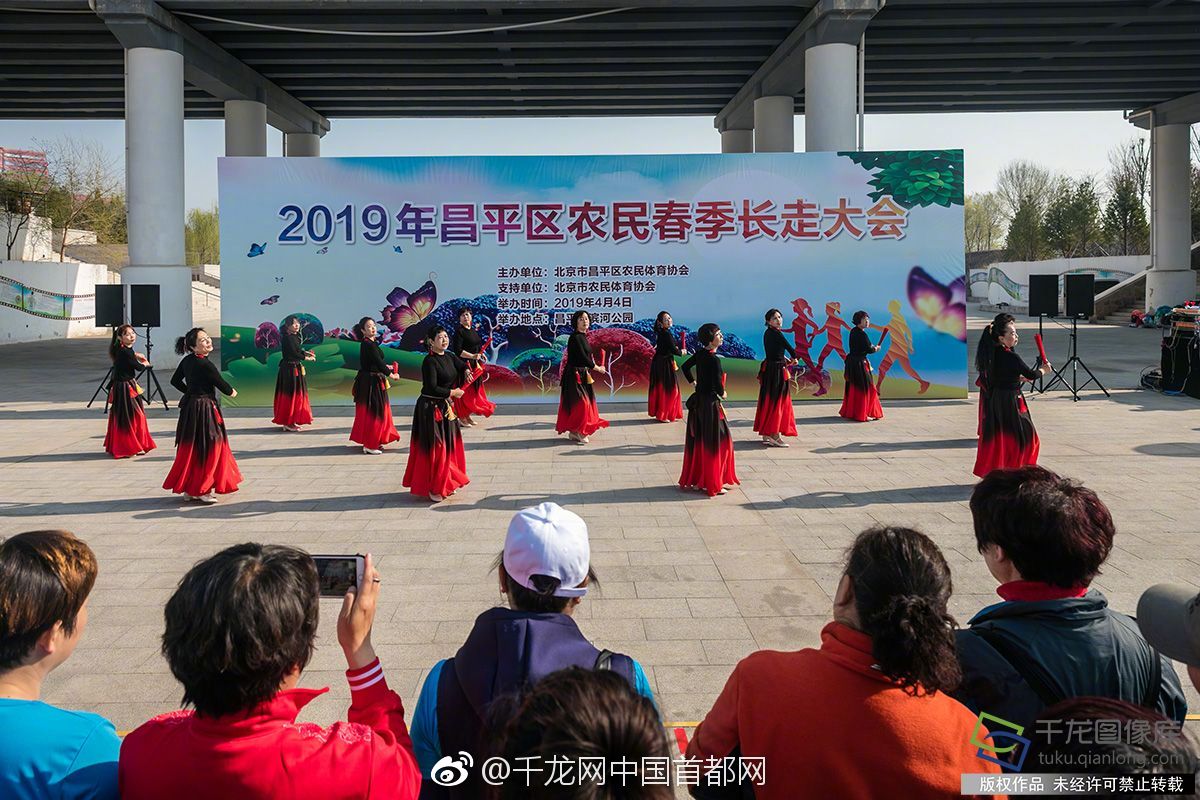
(708, 461)
(128, 434)
(861, 399)
(203, 460)
(577, 409)
(1007, 439)
(373, 426)
(437, 463)
(1005, 451)
(291, 396)
(474, 401)
(663, 401)
(774, 414)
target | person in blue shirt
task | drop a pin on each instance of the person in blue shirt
(544, 572)
(47, 752)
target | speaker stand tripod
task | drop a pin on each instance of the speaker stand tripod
(1074, 362)
(155, 388)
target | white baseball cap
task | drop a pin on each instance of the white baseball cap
(548, 540)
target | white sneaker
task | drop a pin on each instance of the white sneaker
(208, 499)
(437, 498)
(292, 428)
(779, 442)
(371, 452)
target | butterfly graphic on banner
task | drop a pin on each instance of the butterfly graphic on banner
(256, 249)
(405, 309)
(323, 250)
(941, 307)
(269, 301)
(397, 249)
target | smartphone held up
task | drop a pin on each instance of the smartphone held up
(337, 575)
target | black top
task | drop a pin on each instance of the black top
(126, 365)
(1007, 369)
(198, 376)
(370, 358)
(665, 344)
(579, 352)
(708, 372)
(440, 374)
(775, 344)
(293, 353)
(465, 339)
(860, 345)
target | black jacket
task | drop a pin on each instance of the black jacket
(1073, 647)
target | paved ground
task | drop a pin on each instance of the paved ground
(690, 585)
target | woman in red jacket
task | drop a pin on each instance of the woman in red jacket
(240, 628)
(867, 714)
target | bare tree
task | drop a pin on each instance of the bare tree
(1024, 182)
(21, 196)
(84, 180)
(1129, 165)
(984, 222)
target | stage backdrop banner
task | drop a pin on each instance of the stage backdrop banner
(525, 241)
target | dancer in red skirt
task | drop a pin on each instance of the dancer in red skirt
(1007, 438)
(708, 446)
(578, 416)
(204, 465)
(774, 417)
(861, 399)
(468, 346)
(373, 427)
(292, 408)
(664, 402)
(127, 433)
(437, 466)
(983, 360)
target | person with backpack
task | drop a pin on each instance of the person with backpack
(544, 572)
(1052, 638)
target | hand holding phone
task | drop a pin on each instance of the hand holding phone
(358, 616)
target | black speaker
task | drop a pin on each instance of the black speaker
(1176, 358)
(110, 305)
(143, 305)
(1043, 295)
(1191, 386)
(1081, 295)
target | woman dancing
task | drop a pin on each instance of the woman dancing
(708, 463)
(861, 399)
(774, 417)
(468, 346)
(578, 416)
(664, 402)
(437, 466)
(373, 427)
(204, 466)
(292, 408)
(127, 433)
(1007, 438)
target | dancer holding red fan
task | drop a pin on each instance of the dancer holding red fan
(437, 466)
(373, 426)
(1007, 438)
(578, 416)
(664, 402)
(127, 433)
(774, 417)
(468, 345)
(708, 463)
(204, 465)
(292, 408)
(861, 399)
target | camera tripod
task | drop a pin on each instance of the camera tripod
(151, 381)
(1074, 362)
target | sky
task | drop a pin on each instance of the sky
(1075, 144)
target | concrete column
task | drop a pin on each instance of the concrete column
(737, 140)
(830, 93)
(774, 124)
(154, 184)
(1170, 279)
(245, 128)
(301, 144)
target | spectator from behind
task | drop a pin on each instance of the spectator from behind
(576, 714)
(240, 628)
(47, 752)
(1044, 538)
(544, 571)
(867, 715)
(1169, 617)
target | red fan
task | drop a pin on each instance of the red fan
(1037, 337)
(724, 376)
(600, 358)
(883, 336)
(683, 342)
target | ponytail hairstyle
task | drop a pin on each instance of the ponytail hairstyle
(187, 343)
(540, 598)
(433, 334)
(358, 328)
(990, 340)
(114, 346)
(901, 587)
(858, 317)
(658, 326)
(770, 313)
(707, 332)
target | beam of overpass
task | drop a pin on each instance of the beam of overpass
(144, 23)
(1183, 110)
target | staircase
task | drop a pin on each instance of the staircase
(1120, 316)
